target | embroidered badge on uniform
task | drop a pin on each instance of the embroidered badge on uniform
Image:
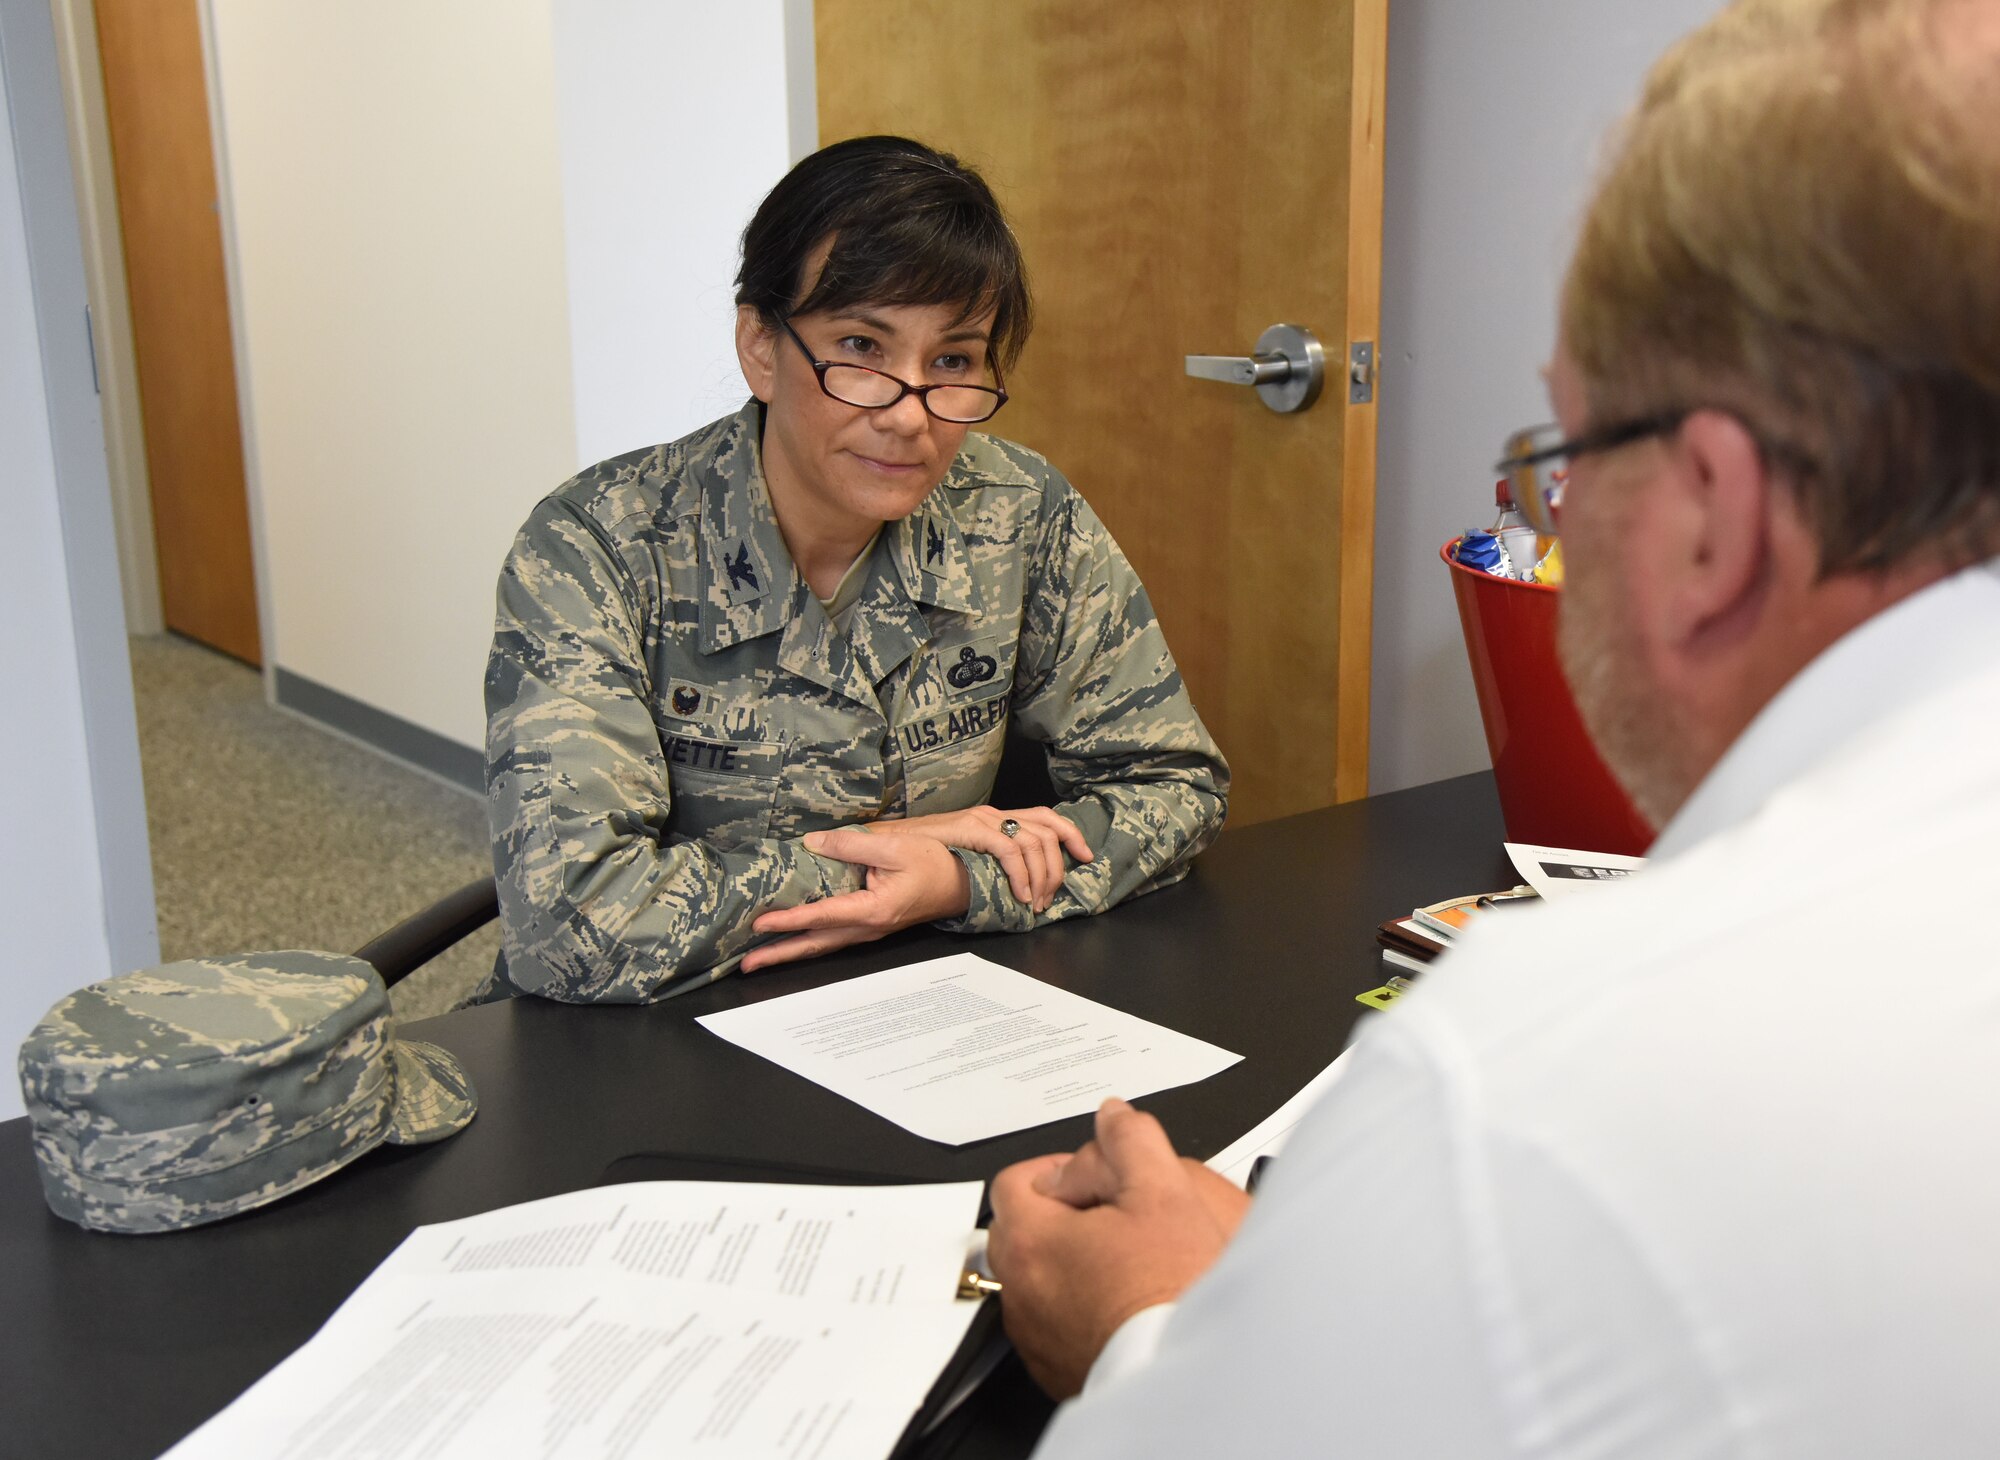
(685, 700)
(972, 668)
(742, 572)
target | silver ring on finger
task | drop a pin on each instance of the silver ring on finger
(1010, 828)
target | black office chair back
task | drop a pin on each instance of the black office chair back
(419, 938)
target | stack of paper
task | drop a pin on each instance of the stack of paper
(676, 1318)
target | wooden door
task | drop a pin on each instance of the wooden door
(156, 102)
(1182, 174)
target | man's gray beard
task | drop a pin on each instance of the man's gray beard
(1634, 731)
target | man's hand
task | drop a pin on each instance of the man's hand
(911, 879)
(1083, 1242)
(1032, 857)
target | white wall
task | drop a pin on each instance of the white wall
(1495, 116)
(476, 245)
(673, 125)
(397, 254)
(51, 896)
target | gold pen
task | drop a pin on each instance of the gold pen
(973, 1284)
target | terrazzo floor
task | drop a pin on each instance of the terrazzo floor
(268, 832)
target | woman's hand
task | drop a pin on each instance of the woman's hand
(911, 879)
(1032, 857)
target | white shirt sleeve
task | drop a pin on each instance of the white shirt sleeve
(1401, 1287)
(1131, 1348)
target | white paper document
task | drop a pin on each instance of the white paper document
(1268, 1136)
(699, 1319)
(1562, 871)
(958, 1049)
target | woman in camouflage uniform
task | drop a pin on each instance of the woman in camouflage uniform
(748, 690)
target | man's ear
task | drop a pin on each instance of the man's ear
(756, 351)
(1712, 526)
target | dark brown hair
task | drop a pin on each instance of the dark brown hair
(908, 224)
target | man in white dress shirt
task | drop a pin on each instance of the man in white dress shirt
(1707, 1164)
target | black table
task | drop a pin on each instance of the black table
(118, 1346)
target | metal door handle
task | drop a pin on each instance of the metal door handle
(1288, 368)
(1239, 369)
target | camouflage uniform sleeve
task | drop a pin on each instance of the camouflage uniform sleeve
(598, 903)
(1095, 683)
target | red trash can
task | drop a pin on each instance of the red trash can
(1554, 789)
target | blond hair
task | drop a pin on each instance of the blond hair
(1800, 224)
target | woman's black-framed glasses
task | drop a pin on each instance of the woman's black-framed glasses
(1536, 461)
(872, 390)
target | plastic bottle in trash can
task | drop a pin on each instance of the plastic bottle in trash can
(1511, 530)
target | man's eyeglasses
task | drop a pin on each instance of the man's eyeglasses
(872, 390)
(1536, 462)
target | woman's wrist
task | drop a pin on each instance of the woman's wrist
(955, 886)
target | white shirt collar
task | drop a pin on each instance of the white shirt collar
(1909, 650)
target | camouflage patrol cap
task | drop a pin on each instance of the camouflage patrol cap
(187, 1093)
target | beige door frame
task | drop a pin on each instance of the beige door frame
(110, 312)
